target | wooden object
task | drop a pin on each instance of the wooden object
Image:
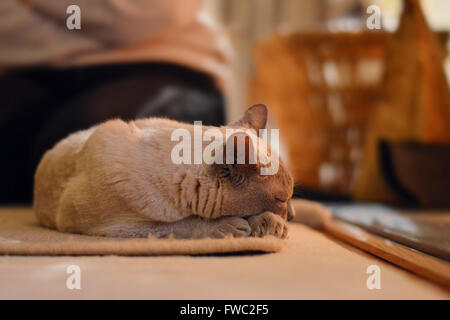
(412, 260)
(430, 237)
(418, 172)
(319, 217)
(415, 104)
(324, 91)
(320, 89)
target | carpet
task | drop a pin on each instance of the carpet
(311, 265)
(20, 234)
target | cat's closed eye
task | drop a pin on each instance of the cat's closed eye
(281, 199)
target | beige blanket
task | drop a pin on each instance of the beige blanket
(20, 234)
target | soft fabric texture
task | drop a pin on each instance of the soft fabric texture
(52, 103)
(20, 234)
(312, 265)
(112, 31)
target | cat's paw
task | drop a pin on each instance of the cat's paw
(235, 226)
(268, 223)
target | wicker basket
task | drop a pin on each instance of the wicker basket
(322, 88)
(335, 96)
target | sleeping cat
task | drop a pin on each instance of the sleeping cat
(117, 179)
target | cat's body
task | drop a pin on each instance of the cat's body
(117, 179)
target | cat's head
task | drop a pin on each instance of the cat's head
(250, 187)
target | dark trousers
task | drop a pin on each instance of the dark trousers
(39, 107)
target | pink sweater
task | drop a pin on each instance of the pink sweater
(34, 32)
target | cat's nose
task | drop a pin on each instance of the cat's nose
(290, 210)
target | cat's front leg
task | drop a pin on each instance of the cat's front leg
(268, 223)
(189, 228)
(235, 226)
(196, 227)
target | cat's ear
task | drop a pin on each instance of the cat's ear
(239, 158)
(254, 118)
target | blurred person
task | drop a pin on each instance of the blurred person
(130, 59)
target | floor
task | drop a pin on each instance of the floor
(311, 266)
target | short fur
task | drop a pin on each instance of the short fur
(117, 179)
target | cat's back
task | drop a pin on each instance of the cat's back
(131, 153)
(56, 167)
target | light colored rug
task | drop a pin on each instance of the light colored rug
(20, 234)
(311, 265)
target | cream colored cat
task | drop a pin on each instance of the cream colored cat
(117, 179)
